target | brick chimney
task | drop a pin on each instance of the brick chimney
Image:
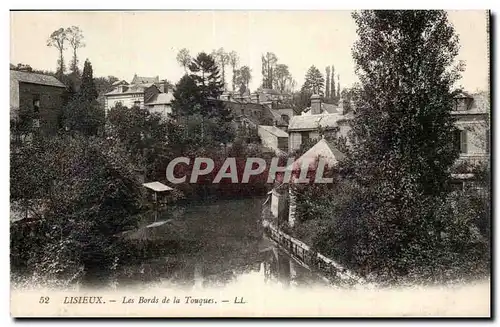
(315, 104)
(165, 86)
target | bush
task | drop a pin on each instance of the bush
(89, 192)
(421, 238)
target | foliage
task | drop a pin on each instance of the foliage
(234, 61)
(196, 103)
(75, 38)
(393, 217)
(432, 239)
(222, 58)
(184, 58)
(314, 81)
(142, 133)
(88, 193)
(83, 114)
(269, 61)
(104, 84)
(57, 40)
(403, 128)
(327, 82)
(244, 76)
(283, 78)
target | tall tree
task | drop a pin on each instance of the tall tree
(269, 61)
(234, 61)
(206, 75)
(332, 86)
(245, 75)
(338, 86)
(184, 58)
(83, 114)
(196, 99)
(222, 59)
(403, 131)
(57, 40)
(314, 81)
(187, 97)
(282, 77)
(327, 85)
(88, 89)
(75, 39)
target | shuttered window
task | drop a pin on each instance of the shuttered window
(463, 141)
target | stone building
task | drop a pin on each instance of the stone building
(38, 96)
(308, 126)
(274, 138)
(472, 114)
(143, 92)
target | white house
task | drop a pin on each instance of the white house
(144, 92)
(472, 119)
(307, 126)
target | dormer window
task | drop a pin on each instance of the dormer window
(462, 103)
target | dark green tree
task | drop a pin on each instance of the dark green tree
(314, 81)
(88, 91)
(83, 114)
(332, 86)
(403, 130)
(327, 83)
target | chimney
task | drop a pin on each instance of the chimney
(315, 104)
(254, 97)
(165, 86)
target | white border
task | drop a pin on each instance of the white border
(186, 4)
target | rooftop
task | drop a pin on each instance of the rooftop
(323, 150)
(274, 130)
(129, 89)
(161, 98)
(312, 122)
(145, 80)
(33, 78)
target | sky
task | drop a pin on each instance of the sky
(146, 43)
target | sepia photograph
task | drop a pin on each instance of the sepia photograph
(263, 163)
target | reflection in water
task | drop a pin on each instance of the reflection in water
(227, 244)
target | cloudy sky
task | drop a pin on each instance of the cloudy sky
(146, 43)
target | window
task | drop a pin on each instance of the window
(304, 137)
(461, 141)
(36, 103)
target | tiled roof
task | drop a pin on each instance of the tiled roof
(145, 80)
(274, 130)
(311, 122)
(326, 108)
(321, 149)
(41, 79)
(161, 98)
(134, 88)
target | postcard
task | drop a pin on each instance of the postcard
(250, 163)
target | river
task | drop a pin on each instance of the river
(225, 244)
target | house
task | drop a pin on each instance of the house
(471, 113)
(144, 92)
(161, 103)
(274, 138)
(40, 97)
(282, 198)
(307, 127)
(145, 80)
